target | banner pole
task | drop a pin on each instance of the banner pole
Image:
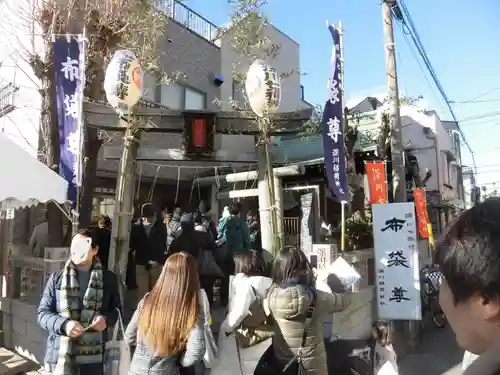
(342, 228)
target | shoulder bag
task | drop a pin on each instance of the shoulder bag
(257, 325)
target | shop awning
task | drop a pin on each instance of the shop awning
(25, 181)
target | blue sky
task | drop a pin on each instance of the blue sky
(462, 40)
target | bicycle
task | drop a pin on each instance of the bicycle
(430, 280)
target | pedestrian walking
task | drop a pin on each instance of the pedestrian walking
(148, 238)
(196, 243)
(103, 235)
(246, 332)
(384, 357)
(299, 310)
(167, 329)
(233, 238)
(78, 304)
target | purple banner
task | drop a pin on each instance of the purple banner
(332, 126)
(69, 78)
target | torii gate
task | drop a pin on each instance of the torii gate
(162, 120)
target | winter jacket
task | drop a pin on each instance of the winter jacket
(149, 242)
(191, 241)
(289, 307)
(234, 234)
(49, 318)
(242, 293)
(103, 241)
(145, 362)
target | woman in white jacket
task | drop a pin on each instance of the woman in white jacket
(247, 291)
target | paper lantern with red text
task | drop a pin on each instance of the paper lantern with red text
(263, 88)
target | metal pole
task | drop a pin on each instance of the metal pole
(397, 148)
(342, 228)
(344, 122)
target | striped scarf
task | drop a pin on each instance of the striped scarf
(88, 348)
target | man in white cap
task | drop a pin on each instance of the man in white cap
(78, 304)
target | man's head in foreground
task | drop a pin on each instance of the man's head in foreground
(469, 257)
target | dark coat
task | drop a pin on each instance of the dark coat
(149, 242)
(49, 318)
(103, 236)
(191, 241)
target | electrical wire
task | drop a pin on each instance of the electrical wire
(408, 22)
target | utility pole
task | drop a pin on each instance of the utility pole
(397, 149)
(403, 330)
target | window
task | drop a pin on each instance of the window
(171, 96)
(7, 98)
(179, 97)
(302, 92)
(237, 93)
(103, 206)
(194, 99)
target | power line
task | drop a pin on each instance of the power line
(408, 21)
(475, 101)
(482, 95)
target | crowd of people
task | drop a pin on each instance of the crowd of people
(274, 320)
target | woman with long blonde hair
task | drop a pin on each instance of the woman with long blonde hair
(167, 327)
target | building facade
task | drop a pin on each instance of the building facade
(19, 97)
(191, 49)
(435, 146)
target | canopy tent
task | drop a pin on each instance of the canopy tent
(25, 181)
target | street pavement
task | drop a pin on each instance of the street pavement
(436, 354)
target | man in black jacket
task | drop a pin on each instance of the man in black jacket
(148, 239)
(103, 238)
(192, 241)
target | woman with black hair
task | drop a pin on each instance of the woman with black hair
(299, 311)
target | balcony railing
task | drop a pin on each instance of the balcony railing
(190, 19)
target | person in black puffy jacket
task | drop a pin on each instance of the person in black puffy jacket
(148, 238)
(193, 241)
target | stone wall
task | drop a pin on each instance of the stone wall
(22, 333)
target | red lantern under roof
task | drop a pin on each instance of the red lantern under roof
(199, 133)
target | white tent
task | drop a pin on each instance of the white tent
(25, 181)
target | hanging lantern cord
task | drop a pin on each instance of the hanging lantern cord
(217, 179)
(198, 183)
(178, 183)
(192, 187)
(152, 189)
(234, 183)
(139, 180)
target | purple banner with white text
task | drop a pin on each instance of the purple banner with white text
(332, 126)
(69, 79)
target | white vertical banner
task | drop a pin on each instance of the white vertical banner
(396, 261)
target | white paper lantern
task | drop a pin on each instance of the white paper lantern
(123, 82)
(263, 88)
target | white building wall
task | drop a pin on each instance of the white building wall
(287, 61)
(20, 40)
